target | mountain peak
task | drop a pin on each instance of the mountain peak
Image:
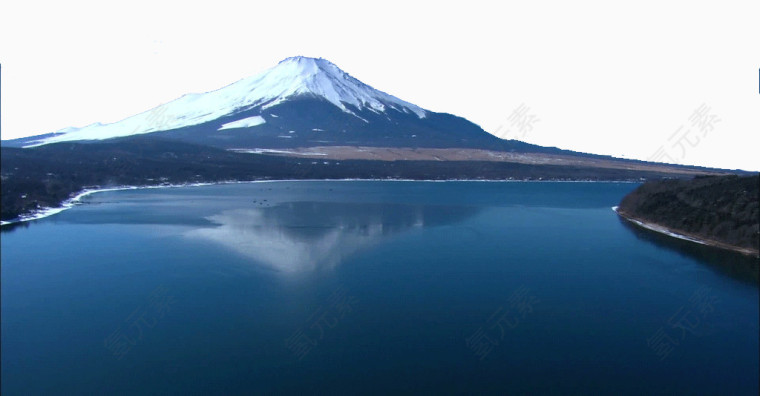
(305, 64)
(304, 59)
(302, 75)
(293, 77)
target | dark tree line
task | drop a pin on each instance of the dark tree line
(720, 208)
(47, 175)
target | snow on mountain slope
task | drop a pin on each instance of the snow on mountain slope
(292, 77)
(244, 123)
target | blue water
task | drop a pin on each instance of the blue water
(370, 288)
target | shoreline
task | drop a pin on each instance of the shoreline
(69, 203)
(75, 200)
(684, 236)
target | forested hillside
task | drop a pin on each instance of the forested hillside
(719, 208)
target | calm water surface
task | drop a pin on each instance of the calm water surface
(370, 287)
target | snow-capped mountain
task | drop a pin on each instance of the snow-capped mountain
(299, 102)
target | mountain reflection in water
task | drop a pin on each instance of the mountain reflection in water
(306, 236)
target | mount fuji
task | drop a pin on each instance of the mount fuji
(302, 119)
(300, 102)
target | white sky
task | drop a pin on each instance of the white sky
(602, 77)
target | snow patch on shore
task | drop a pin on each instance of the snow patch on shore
(76, 200)
(660, 229)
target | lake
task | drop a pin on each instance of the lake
(370, 287)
